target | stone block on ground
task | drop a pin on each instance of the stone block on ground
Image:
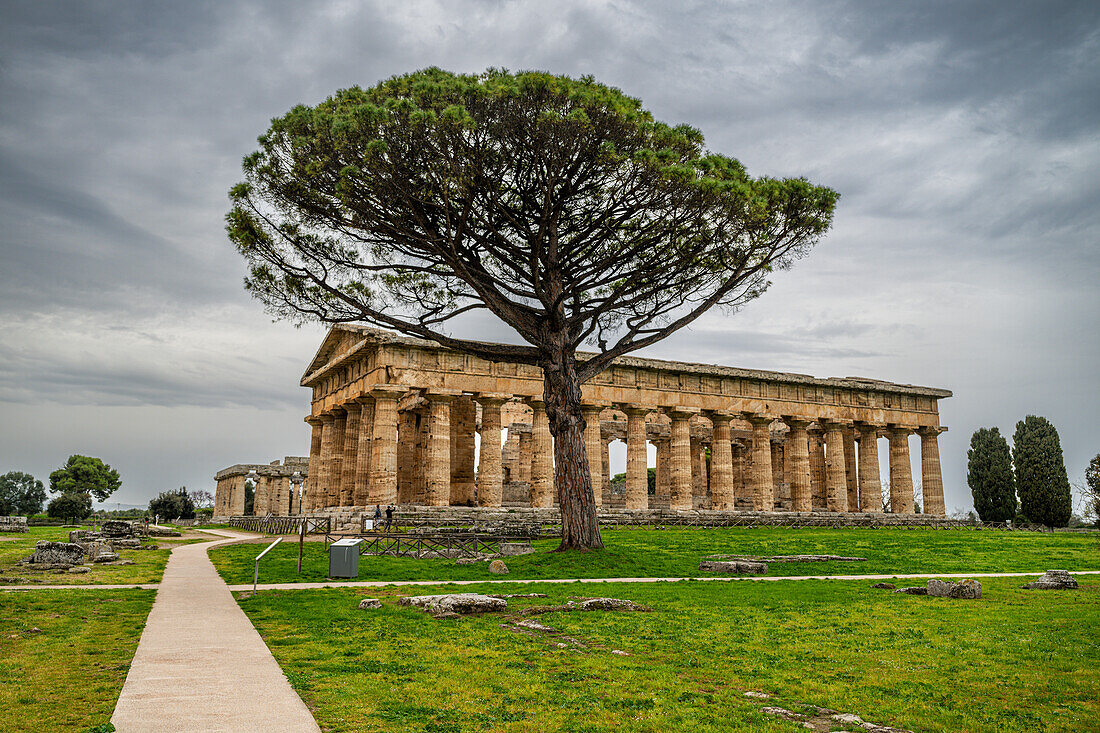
(947, 589)
(885, 586)
(367, 603)
(733, 567)
(1053, 580)
(497, 567)
(913, 590)
(155, 531)
(83, 535)
(79, 569)
(610, 604)
(105, 556)
(461, 603)
(509, 549)
(54, 553)
(13, 524)
(117, 528)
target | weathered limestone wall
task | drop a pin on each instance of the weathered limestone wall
(726, 438)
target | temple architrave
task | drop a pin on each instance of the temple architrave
(275, 487)
(393, 422)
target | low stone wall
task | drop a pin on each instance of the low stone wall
(13, 524)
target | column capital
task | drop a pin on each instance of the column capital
(337, 411)
(492, 399)
(725, 415)
(594, 406)
(441, 395)
(757, 420)
(387, 391)
(365, 399)
(830, 423)
(537, 402)
(865, 427)
(352, 406)
(313, 420)
(931, 430)
(327, 418)
(682, 413)
(900, 430)
(630, 408)
(794, 422)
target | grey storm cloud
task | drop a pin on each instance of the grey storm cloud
(962, 136)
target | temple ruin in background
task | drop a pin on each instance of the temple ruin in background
(394, 421)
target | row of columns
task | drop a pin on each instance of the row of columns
(354, 457)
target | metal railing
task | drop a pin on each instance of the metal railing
(283, 525)
(256, 573)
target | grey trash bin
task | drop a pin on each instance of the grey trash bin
(343, 559)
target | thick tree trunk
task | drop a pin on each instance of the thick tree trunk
(562, 392)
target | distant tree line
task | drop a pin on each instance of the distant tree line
(1027, 484)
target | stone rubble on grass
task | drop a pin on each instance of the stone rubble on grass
(758, 695)
(916, 590)
(822, 720)
(369, 603)
(620, 652)
(78, 570)
(733, 567)
(497, 567)
(460, 603)
(509, 549)
(155, 531)
(56, 553)
(516, 595)
(970, 589)
(610, 604)
(105, 556)
(884, 586)
(1053, 580)
(116, 528)
(529, 623)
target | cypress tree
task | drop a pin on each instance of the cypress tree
(1041, 473)
(989, 475)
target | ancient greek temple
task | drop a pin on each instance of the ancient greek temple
(394, 421)
(276, 488)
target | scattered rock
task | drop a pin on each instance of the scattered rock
(13, 580)
(1053, 580)
(461, 603)
(155, 531)
(57, 553)
(847, 718)
(782, 713)
(611, 604)
(497, 567)
(528, 623)
(509, 549)
(78, 570)
(913, 591)
(517, 595)
(620, 652)
(369, 603)
(758, 695)
(947, 589)
(467, 561)
(35, 630)
(786, 558)
(105, 557)
(83, 535)
(127, 542)
(116, 528)
(733, 567)
(885, 586)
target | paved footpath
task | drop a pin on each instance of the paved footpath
(201, 665)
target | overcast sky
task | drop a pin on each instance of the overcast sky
(964, 139)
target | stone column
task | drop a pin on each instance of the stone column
(664, 474)
(763, 490)
(408, 468)
(463, 425)
(851, 468)
(236, 498)
(351, 453)
(542, 457)
(336, 460)
(698, 469)
(798, 445)
(870, 486)
(817, 466)
(438, 463)
(721, 463)
(637, 474)
(490, 487)
(680, 459)
(740, 485)
(361, 484)
(261, 501)
(901, 472)
(325, 464)
(313, 472)
(931, 478)
(836, 476)
(593, 446)
(383, 459)
(605, 469)
(526, 458)
(777, 469)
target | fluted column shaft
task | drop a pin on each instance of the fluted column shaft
(313, 470)
(870, 485)
(763, 489)
(851, 468)
(680, 461)
(542, 457)
(438, 462)
(383, 460)
(324, 484)
(836, 477)
(637, 475)
(817, 467)
(490, 487)
(364, 453)
(593, 446)
(721, 464)
(463, 425)
(798, 444)
(664, 477)
(931, 477)
(336, 460)
(901, 471)
(351, 453)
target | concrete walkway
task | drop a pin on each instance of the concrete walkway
(201, 665)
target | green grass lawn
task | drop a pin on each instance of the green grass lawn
(148, 565)
(1013, 661)
(64, 655)
(676, 553)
